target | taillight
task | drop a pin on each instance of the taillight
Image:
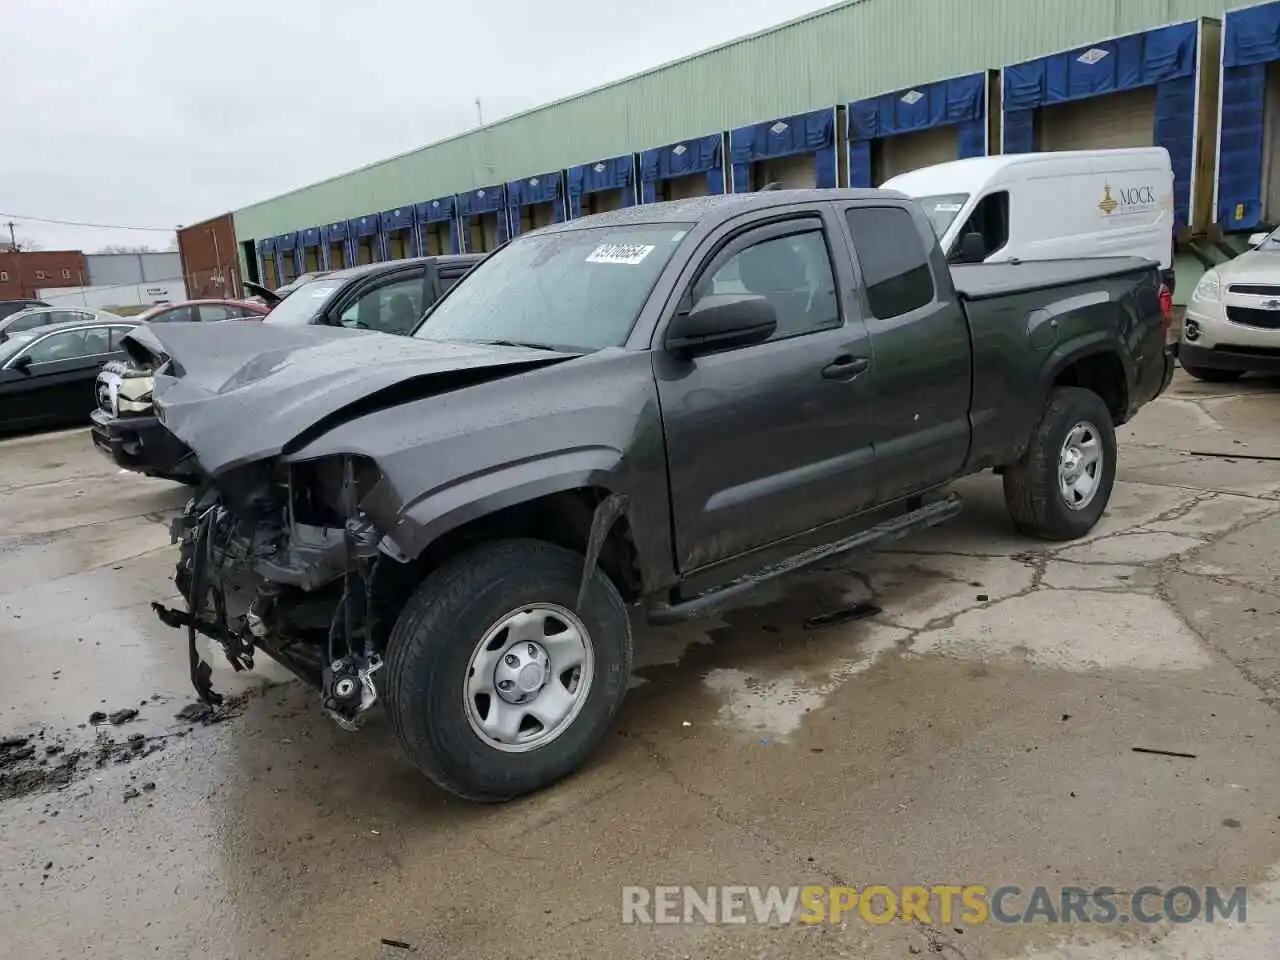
(1166, 306)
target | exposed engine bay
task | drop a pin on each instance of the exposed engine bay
(279, 557)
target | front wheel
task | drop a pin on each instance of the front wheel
(1060, 487)
(496, 683)
(1213, 375)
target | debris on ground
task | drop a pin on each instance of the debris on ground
(1164, 753)
(24, 771)
(859, 611)
(123, 716)
(131, 793)
(398, 944)
(97, 717)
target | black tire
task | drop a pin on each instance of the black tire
(1031, 490)
(430, 650)
(1213, 375)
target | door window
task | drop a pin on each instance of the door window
(70, 345)
(990, 218)
(176, 315)
(792, 272)
(211, 312)
(29, 322)
(117, 334)
(392, 308)
(894, 260)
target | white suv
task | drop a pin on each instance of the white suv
(1232, 324)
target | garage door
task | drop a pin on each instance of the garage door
(911, 151)
(789, 173)
(684, 188)
(601, 202)
(490, 223)
(1126, 119)
(1271, 146)
(542, 215)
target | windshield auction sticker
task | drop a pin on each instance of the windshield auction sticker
(629, 253)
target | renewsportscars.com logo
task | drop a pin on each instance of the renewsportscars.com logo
(968, 904)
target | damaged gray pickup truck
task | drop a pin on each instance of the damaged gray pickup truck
(659, 407)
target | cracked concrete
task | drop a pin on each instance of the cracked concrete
(979, 729)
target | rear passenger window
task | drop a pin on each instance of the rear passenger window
(894, 260)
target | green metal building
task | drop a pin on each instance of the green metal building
(848, 95)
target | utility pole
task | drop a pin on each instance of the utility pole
(479, 117)
(13, 237)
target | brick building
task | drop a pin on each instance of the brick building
(25, 272)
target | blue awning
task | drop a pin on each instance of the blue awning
(401, 218)
(435, 211)
(806, 133)
(615, 173)
(482, 200)
(311, 236)
(366, 226)
(544, 188)
(336, 232)
(267, 247)
(1251, 40)
(286, 241)
(1164, 58)
(682, 159)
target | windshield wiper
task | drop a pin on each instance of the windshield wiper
(517, 343)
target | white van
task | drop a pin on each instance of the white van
(1049, 206)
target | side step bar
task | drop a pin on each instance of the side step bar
(896, 528)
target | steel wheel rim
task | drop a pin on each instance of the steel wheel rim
(1080, 465)
(528, 678)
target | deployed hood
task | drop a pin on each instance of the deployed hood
(235, 393)
(1253, 266)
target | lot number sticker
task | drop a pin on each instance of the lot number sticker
(629, 253)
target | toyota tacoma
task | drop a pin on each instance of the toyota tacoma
(660, 408)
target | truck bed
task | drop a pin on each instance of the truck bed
(982, 281)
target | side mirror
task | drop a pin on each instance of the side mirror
(973, 249)
(23, 363)
(1255, 240)
(721, 321)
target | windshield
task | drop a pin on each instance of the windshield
(303, 305)
(942, 209)
(577, 290)
(14, 345)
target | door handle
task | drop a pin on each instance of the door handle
(845, 367)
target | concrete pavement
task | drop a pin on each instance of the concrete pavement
(979, 730)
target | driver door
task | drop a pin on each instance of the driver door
(390, 304)
(765, 442)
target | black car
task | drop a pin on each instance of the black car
(47, 374)
(389, 296)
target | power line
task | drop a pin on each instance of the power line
(81, 223)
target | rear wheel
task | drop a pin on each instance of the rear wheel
(497, 684)
(1213, 375)
(1060, 487)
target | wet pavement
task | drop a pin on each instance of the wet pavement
(978, 730)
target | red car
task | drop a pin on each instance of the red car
(203, 311)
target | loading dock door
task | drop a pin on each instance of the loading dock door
(489, 228)
(795, 172)
(435, 238)
(312, 260)
(337, 256)
(911, 151)
(683, 188)
(1125, 119)
(602, 201)
(397, 245)
(1271, 145)
(541, 215)
(364, 250)
(269, 271)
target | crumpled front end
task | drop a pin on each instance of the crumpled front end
(279, 557)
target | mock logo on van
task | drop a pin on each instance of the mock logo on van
(1091, 56)
(1107, 204)
(778, 127)
(1127, 199)
(912, 97)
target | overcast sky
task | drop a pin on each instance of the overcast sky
(164, 112)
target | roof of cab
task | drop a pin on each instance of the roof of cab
(713, 209)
